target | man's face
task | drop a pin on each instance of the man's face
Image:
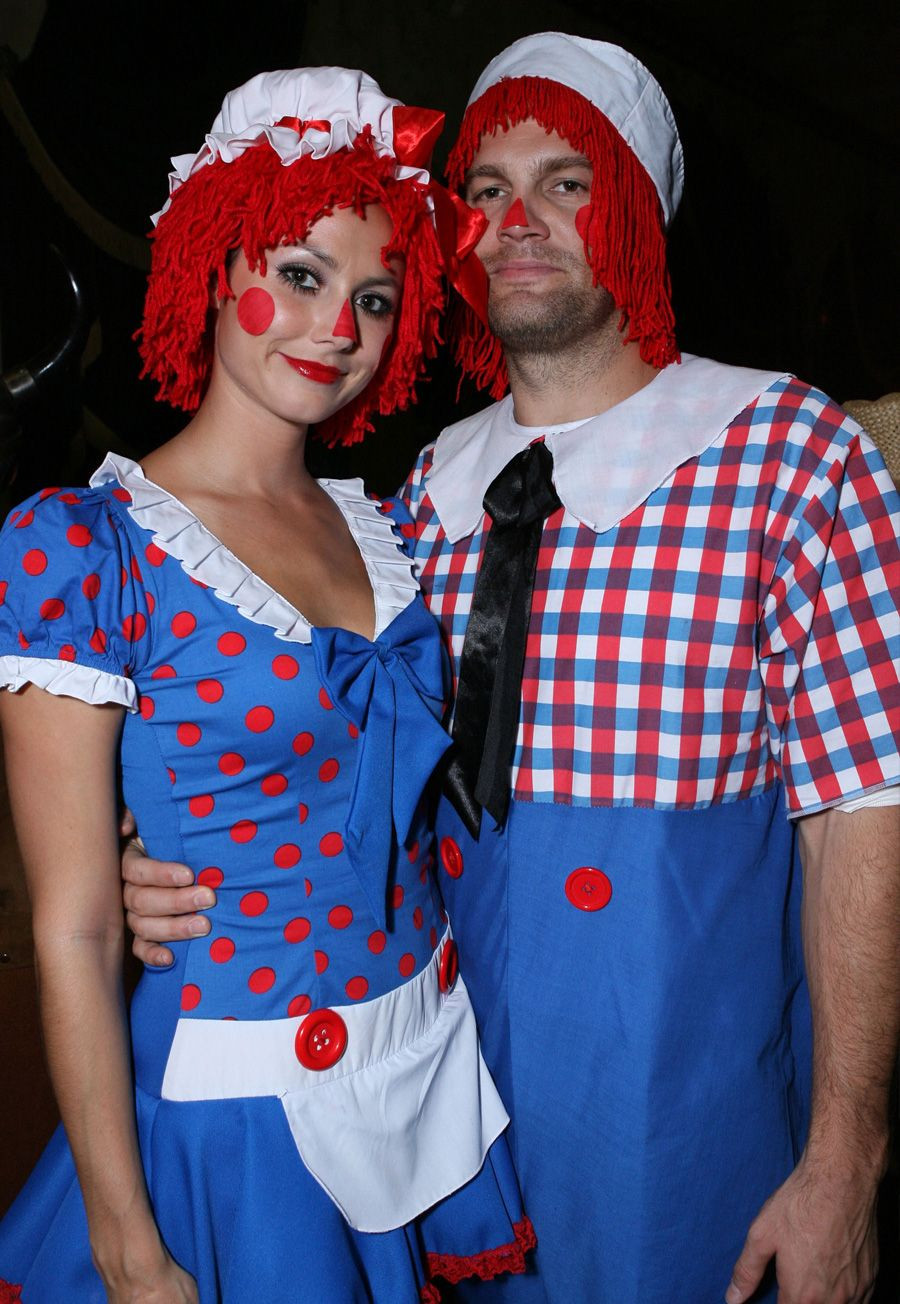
(531, 186)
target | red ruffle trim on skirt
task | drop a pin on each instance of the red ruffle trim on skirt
(488, 1264)
(9, 1294)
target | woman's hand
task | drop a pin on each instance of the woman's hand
(166, 1283)
(133, 1262)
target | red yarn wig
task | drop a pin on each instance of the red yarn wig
(624, 238)
(256, 203)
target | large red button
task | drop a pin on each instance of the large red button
(321, 1039)
(451, 857)
(588, 888)
(449, 966)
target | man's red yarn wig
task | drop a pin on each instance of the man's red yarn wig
(256, 203)
(624, 240)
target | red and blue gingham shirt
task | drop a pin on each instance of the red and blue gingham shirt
(737, 628)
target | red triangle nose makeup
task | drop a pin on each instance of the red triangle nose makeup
(515, 216)
(345, 326)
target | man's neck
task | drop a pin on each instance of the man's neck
(553, 389)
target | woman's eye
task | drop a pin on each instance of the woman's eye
(375, 305)
(298, 277)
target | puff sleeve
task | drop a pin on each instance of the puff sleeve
(74, 614)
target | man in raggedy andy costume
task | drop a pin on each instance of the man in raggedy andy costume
(701, 686)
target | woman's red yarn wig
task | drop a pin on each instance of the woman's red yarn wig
(624, 239)
(256, 203)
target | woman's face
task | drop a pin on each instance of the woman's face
(307, 337)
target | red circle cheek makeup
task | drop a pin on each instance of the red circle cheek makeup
(255, 310)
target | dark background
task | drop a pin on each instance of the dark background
(784, 253)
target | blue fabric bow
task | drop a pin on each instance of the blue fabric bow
(392, 690)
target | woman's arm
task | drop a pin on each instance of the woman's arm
(61, 760)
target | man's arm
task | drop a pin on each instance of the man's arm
(820, 1225)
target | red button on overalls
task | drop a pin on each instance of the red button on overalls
(449, 967)
(451, 857)
(588, 888)
(321, 1039)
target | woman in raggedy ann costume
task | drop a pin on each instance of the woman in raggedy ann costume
(310, 1118)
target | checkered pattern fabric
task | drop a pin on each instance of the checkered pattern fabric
(740, 627)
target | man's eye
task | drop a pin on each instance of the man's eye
(569, 186)
(298, 277)
(485, 195)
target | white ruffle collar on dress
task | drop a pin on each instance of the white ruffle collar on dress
(603, 467)
(178, 532)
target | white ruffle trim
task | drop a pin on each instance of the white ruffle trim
(67, 679)
(348, 100)
(178, 532)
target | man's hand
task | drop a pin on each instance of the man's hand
(161, 899)
(820, 1229)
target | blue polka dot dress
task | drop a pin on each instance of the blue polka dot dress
(315, 1119)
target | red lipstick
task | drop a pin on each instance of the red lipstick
(318, 371)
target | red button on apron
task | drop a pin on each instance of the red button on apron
(451, 857)
(449, 967)
(588, 889)
(321, 1039)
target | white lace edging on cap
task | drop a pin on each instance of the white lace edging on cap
(68, 679)
(178, 532)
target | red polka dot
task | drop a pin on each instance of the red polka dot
(136, 570)
(122, 494)
(298, 1005)
(259, 718)
(154, 555)
(352, 731)
(356, 988)
(199, 583)
(285, 667)
(171, 773)
(231, 763)
(188, 734)
(98, 640)
(406, 964)
(23, 642)
(255, 310)
(34, 562)
(231, 644)
(25, 520)
(377, 942)
(413, 854)
(302, 743)
(261, 980)
(210, 877)
(73, 498)
(328, 770)
(183, 624)
(307, 886)
(432, 938)
(134, 627)
(408, 530)
(48, 493)
(340, 916)
(67, 652)
(321, 961)
(90, 586)
(273, 785)
(221, 950)
(387, 505)
(418, 917)
(163, 672)
(302, 812)
(151, 602)
(397, 897)
(190, 996)
(325, 700)
(4, 585)
(331, 845)
(297, 930)
(287, 855)
(52, 609)
(254, 903)
(210, 690)
(202, 806)
(148, 706)
(243, 831)
(123, 573)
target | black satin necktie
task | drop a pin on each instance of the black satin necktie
(518, 502)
